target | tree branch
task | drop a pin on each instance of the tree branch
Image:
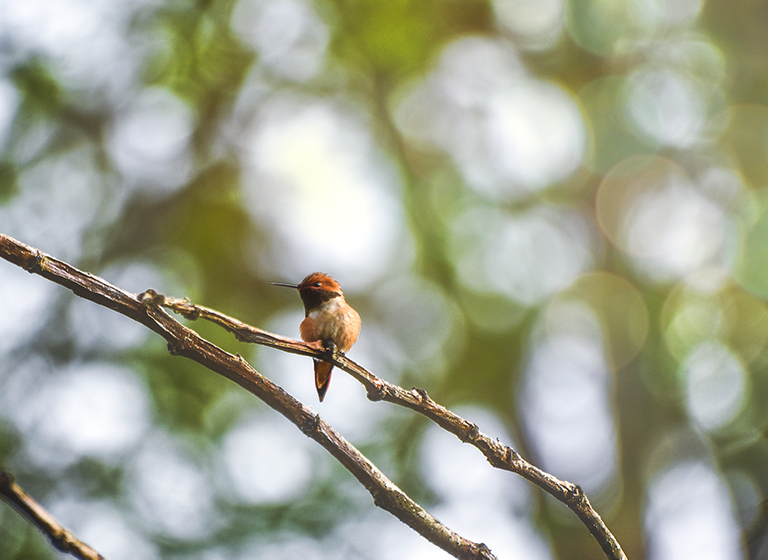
(185, 342)
(499, 455)
(60, 537)
(145, 309)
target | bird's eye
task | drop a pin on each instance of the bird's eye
(317, 284)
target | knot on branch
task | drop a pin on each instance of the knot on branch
(6, 479)
(63, 542)
(376, 495)
(484, 551)
(187, 309)
(310, 424)
(574, 495)
(240, 337)
(377, 392)
(174, 349)
(470, 434)
(150, 298)
(477, 550)
(35, 266)
(511, 457)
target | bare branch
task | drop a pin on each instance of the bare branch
(145, 309)
(60, 537)
(499, 455)
(185, 342)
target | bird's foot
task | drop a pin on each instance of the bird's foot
(332, 349)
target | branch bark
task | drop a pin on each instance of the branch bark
(496, 453)
(146, 309)
(60, 537)
(185, 342)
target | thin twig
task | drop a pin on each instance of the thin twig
(185, 342)
(498, 454)
(60, 537)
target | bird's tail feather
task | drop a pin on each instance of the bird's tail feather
(322, 377)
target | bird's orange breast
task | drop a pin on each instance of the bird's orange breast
(334, 321)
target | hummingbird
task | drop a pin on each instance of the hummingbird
(328, 318)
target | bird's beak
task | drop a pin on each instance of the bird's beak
(284, 285)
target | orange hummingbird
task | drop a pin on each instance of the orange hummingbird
(328, 318)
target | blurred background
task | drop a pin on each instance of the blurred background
(551, 215)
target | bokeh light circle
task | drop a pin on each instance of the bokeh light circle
(618, 307)
(650, 208)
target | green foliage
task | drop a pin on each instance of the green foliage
(555, 212)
